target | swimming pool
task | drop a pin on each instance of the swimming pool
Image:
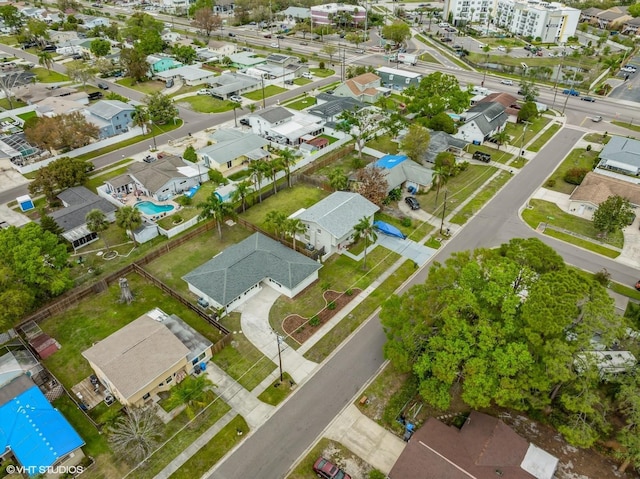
(150, 208)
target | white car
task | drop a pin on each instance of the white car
(502, 49)
(307, 75)
(443, 24)
(628, 69)
(507, 82)
(204, 91)
(236, 98)
(274, 45)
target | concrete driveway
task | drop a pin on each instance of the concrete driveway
(409, 249)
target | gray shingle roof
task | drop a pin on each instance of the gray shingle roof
(622, 150)
(274, 114)
(80, 201)
(488, 116)
(247, 263)
(334, 106)
(231, 144)
(107, 109)
(441, 141)
(339, 212)
(155, 175)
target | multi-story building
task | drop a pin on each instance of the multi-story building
(334, 13)
(551, 21)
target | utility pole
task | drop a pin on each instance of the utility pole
(263, 102)
(573, 82)
(279, 340)
(524, 133)
(555, 85)
(444, 209)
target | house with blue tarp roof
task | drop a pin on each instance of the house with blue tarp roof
(401, 172)
(35, 432)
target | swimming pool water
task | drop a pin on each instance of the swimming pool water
(150, 208)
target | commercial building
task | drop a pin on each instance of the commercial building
(336, 13)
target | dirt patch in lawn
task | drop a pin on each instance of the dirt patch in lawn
(300, 328)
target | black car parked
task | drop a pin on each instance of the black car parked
(412, 202)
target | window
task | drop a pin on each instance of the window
(390, 77)
(407, 81)
(168, 380)
(229, 164)
(202, 356)
(319, 231)
(146, 396)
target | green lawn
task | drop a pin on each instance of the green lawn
(416, 231)
(214, 450)
(380, 391)
(44, 76)
(101, 315)
(384, 144)
(302, 103)
(147, 87)
(269, 91)
(302, 81)
(578, 158)
(427, 57)
(515, 130)
(473, 206)
(278, 391)
(350, 323)
(242, 360)
(4, 104)
(287, 201)
(628, 126)
(547, 212)
(597, 138)
(499, 156)
(27, 115)
(322, 72)
(207, 104)
(186, 89)
(544, 137)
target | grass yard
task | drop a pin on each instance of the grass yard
(27, 115)
(518, 162)
(147, 87)
(45, 76)
(207, 104)
(302, 103)
(4, 104)
(101, 315)
(330, 86)
(184, 89)
(578, 158)
(416, 231)
(337, 454)
(239, 175)
(499, 156)
(287, 201)
(515, 130)
(380, 391)
(214, 450)
(98, 180)
(321, 350)
(459, 189)
(628, 126)
(278, 391)
(330, 139)
(269, 91)
(547, 212)
(302, 81)
(544, 137)
(597, 138)
(427, 57)
(473, 206)
(242, 360)
(384, 144)
(322, 72)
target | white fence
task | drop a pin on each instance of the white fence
(176, 230)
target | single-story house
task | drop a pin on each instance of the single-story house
(77, 202)
(482, 121)
(161, 63)
(161, 179)
(148, 355)
(189, 75)
(484, 447)
(90, 22)
(364, 88)
(57, 105)
(621, 155)
(240, 271)
(441, 141)
(397, 79)
(232, 148)
(229, 84)
(35, 433)
(401, 172)
(330, 107)
(285, 126)
(243, 60)
(595, 189)
(330, 222)
(113, 117)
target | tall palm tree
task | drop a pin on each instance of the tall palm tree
(258, 170)
(236, 105)
(274, 166)
(97, 223)
(241, 192)
(287, 160)
(46, 60)
(502, 137)
(364, 229)
(129, 219)
(141, 117)
(193, 392)
(293, 227)
(439, 177)
(277, 220)
(214, 207)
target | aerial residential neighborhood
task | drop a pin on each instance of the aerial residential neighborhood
(357, 240)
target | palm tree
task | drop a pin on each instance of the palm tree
(365, 230)
(97, 223)
(439, 177)
(258, 169)
(502, 137)
(277, 220)
(193, 392)
(135, 434)
(252, 107)
(293, 227)
(287, 160)
(129, 219)
(214, 207)
(241, 192)
(140, 117)
(236, 105)
(274, 165)
(46, 60)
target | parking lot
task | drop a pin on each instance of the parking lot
(629, 88)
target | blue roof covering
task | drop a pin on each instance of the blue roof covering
(388, 229)
(38, 434)
(390, 161)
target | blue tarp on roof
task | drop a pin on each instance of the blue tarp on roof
(388, 229)
(390, 161)
(37, 433)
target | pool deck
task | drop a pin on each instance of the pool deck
(132, 200)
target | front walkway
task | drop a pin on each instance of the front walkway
(407, 248)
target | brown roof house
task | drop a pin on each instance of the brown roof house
(595, 189)
(508, 101)
(484, 448)
(148, 355)
(365, 88)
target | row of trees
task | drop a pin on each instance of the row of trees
(503, 327)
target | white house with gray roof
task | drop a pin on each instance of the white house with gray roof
(189, 75)
(285, 126)
(241, 270)
(112, 117)
(622, 155)
(482, 121)
(330, 222)
(229, 84)
(232, 148)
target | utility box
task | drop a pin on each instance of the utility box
(25, 202)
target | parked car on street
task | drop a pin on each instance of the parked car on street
(571, 92)
(506, 82)
(274, 45)
(103, 86)
(588, 98)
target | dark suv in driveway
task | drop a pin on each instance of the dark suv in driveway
(326, 470)
(412, 202)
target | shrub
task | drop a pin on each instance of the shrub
(325, 285)
(376, 474)
(574, 176)
(349, 292)
(395, 194)
(406, 222)
(589, 147)
(177, 218)
(331, 305)
(603, 277)
(315, 321)
(551, 182)
(321, 65)
(357, 163)
(183, 200)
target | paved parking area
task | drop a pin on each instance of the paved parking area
(409, 249)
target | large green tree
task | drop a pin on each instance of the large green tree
(416, 142)
(100, 47)
(11, 16)
(184, 54)
(398, 31)
(436, 93)
(612, 214)
(361, 124)
(129, 219)
(134, 62)
(58, 175)
(161, 108)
